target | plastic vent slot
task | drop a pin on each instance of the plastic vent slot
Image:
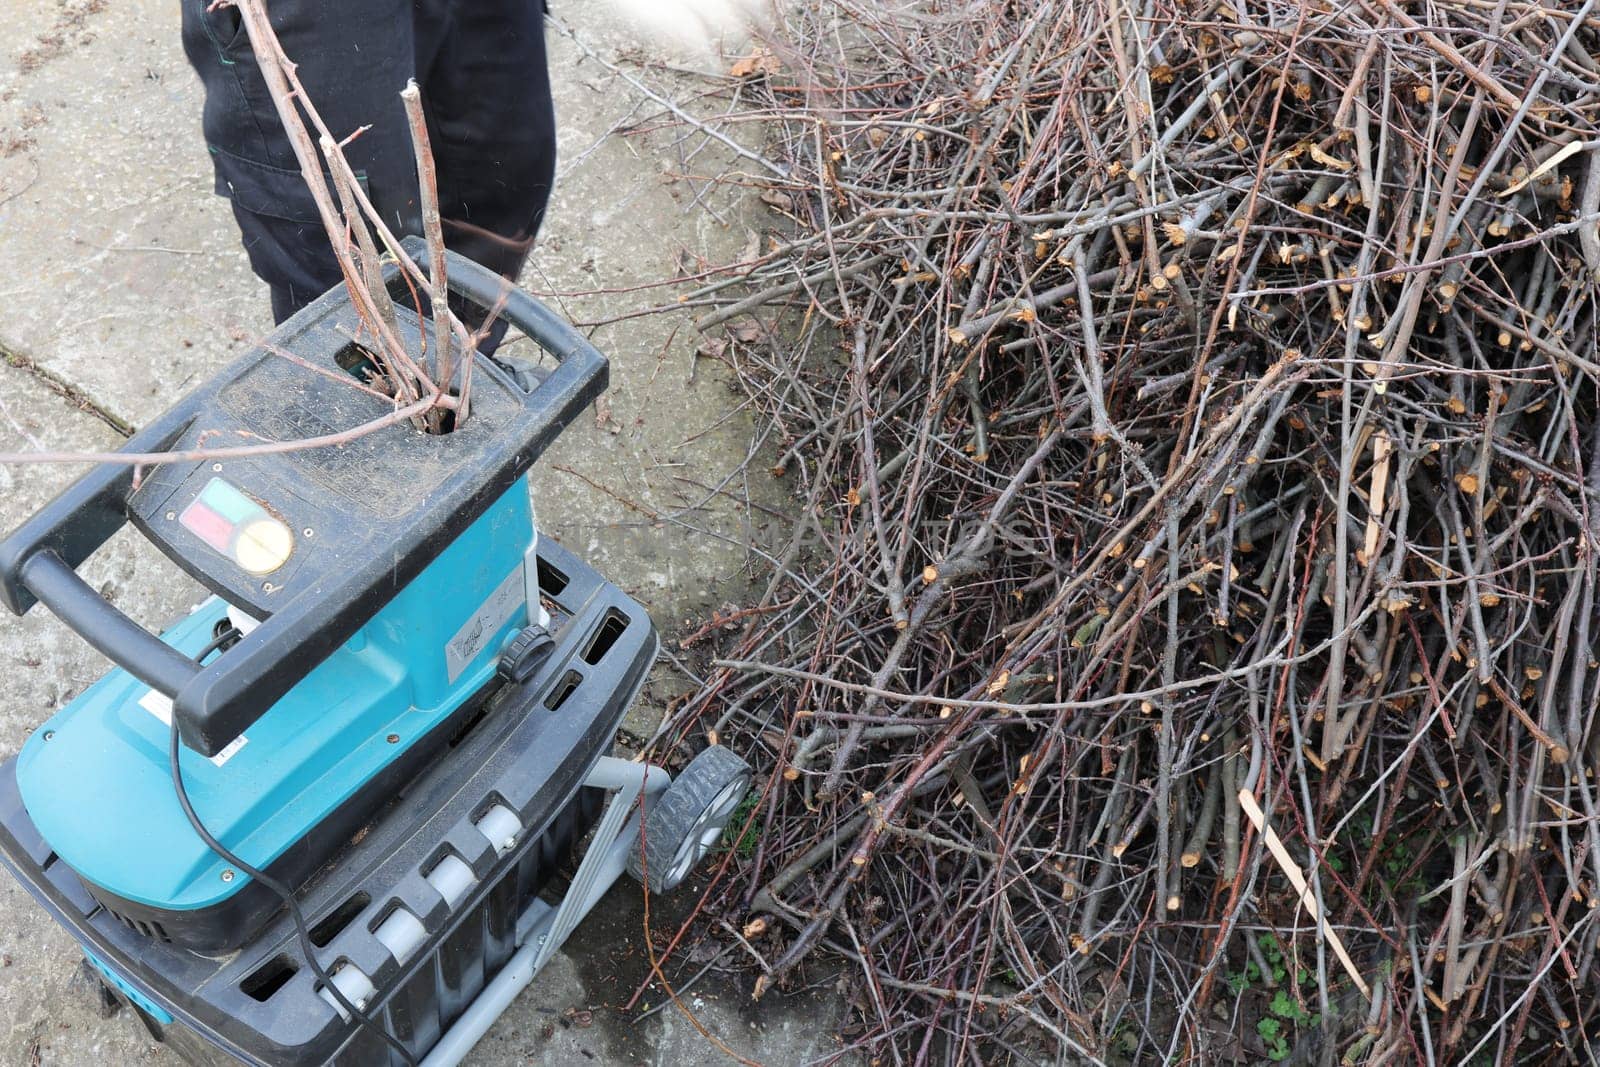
(329, 925)
(139, 926)
(564, 689)
(268, 978)
(551, 581)
(613, 626)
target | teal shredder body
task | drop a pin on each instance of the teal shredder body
(95, 778)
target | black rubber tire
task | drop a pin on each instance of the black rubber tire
(679, 816)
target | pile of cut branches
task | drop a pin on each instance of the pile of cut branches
(1186, 647)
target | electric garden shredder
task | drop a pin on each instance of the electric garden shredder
(397, 707)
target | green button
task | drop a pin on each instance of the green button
(225, 500)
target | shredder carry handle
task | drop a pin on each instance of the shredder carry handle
(487, 289)
(39, 561)
(123, 641)
(216, 703)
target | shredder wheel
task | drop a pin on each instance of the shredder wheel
(688, 819)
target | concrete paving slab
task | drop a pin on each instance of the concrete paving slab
(127, 285)
(130, 281)
(46, 1016)
(661, 503)
(574, 1016)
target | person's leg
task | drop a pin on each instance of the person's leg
(487, 95)
(354, 57)
(486, 92)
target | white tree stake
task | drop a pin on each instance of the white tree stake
(1297, 878)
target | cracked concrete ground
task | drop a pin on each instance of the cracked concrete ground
(125, 286)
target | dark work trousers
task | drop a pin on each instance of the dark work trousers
(485, 89)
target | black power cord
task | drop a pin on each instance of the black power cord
(276, 887)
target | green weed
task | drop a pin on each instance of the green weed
(742, 824)
(1285, 1015)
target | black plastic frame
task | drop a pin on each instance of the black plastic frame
(302, 626)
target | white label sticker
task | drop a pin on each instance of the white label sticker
(492, 614)
(160, 705)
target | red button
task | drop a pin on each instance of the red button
(207, 525)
